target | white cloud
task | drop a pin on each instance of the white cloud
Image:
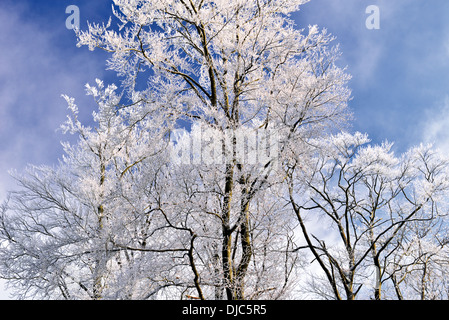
(435, 127)
(34, 71)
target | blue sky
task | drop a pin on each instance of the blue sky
(400, 83)
(400, 72)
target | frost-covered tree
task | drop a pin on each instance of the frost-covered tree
(229, 66)
(369, 199)
(75, 230)
(418, 269)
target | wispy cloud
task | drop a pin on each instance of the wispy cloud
(399, 71)
(435, 126)
(34, 71)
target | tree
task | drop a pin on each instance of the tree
(75, 230)
(368, 197)
(229, 65)
(225, 66)
(418, 268)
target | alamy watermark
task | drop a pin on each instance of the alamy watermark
(73, 20)
(373, 20)
(209, 146)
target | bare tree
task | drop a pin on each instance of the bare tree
(418, 268)
(367, 196)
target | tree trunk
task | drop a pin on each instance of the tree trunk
(228, 273)
(246, 248)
